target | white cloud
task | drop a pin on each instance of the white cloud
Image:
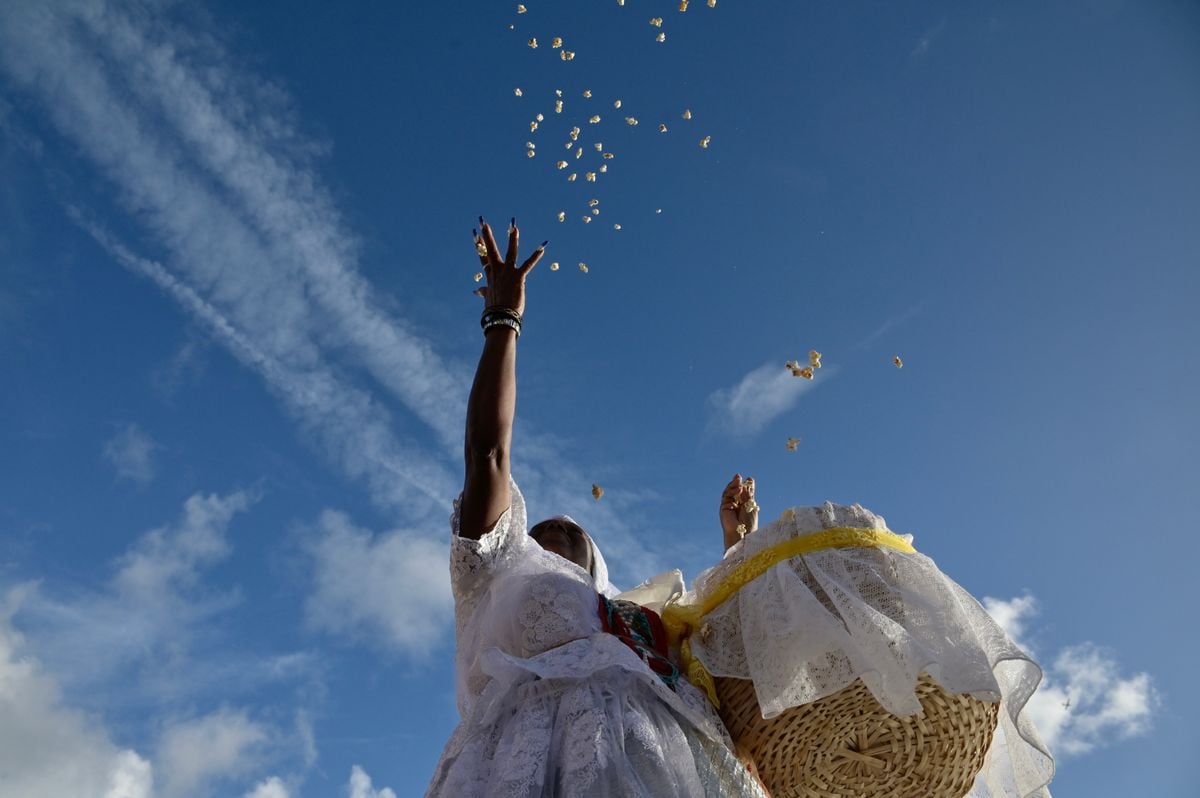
(1083, 702)
(392, 588)
(131, 452)
(360, 786)
(48, 748)
(759, 398)
(271, 788)
(221, 745)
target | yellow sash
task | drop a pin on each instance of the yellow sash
(681, 620)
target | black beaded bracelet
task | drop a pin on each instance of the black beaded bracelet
(502, 321)
(497, 311)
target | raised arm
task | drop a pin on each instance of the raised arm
(493, 400)
(739, 510)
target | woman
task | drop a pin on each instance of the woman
(562, 691)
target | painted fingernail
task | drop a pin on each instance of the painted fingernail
(474, 232)
(513, 222)
(481, 221)
(544, 243)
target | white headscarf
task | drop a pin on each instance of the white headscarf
(599, 571)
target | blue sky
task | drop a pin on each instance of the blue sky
(237, 330)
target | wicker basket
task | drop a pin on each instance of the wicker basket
(848, 746)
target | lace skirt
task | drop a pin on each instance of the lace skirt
(610, 734)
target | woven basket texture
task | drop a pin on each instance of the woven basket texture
(848, 746)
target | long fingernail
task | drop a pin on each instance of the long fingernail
(481, 221)
(512, 222)
(544, 243)
(474, 232)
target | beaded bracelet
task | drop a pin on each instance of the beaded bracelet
(502, 321)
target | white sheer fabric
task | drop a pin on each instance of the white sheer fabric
(813, 624)
(552, 706)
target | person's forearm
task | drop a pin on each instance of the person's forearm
(490, 412)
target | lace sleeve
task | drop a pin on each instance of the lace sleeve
(473, 561)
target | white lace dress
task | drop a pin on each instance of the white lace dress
(553, 706)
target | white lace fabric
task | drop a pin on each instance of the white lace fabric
(811, 625)
(551, 705)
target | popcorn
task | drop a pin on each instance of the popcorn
(587, 93)
(569, 145)
(656, 21)
(562, 216)
(814, 359)
(533, 43)
(603, 168)
(616, 227)
(897, 362)
(529, 145)
(480, 248)
(478, 276)
(683, 5)
(517, 91)
(658, 210)
(704, 142)
(566, 55)
(599, 146)
(558, 106)
(687, 113)
(558, 92)
(792, 445)
(574, 133)
(579, 153)
(540, 118)
(608, 156)
(554, 266)
(520, 8)
(556, 42)
(583, 268)
(662, 128)
(617, 104)
(595, 120)
(571, 177)
(792, 365)
(597, 491)
(561, 164)
(533, 126)
(595, 211)
(712, 3)
(587, 220)
(631, 121)
(590, 177)
(592, 203)
(531, 153)
(806, 373)
(661, 37)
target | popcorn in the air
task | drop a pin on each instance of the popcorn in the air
(631, 121)
(603, 168)
(687, 113)
(608, 156)
(597, 491)
(590, 177)
(616, 227)
(517, 91)
(533, 126)
(658, 210)
(558, 92)
(805, 372)
(578, 153)
(561, 164)
(533, 43)
(662, 128)
(656, 21)
(592, 203)
(574, 133)
(897, 362)
(569, 145)
(599, 146)
(683, 5)
(814, 359)
(712, 3)
(540, 118)
(562, 216)
(705, 141)
(793, 444)
(554, 266)
(531, 153)
(587, 92)
(529, 145)
(595, 120)
(661, 37)
(478, 276)
(556, 42)
(558, 106)
(520, 8)
(571, 177)
(595, 211)
(566, 55)
(617, 104)
(587, 220)
(583, 268)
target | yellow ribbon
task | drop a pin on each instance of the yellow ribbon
(681, 619)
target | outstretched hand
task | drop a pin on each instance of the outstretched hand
(739, 510)
(505, 279)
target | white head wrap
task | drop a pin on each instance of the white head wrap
(599, 572)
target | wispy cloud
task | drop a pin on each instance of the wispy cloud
(222, 745)
(1084, 702)
(759, 398)
(271, 788)
(891, 324)
(131, 453)
(921, 49)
